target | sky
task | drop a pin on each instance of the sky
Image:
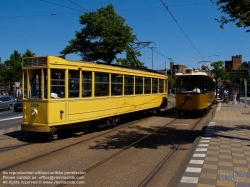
(182, 31)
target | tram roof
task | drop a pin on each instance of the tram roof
(40, 61)
(193, 71)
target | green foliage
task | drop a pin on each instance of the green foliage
(103, 36)
(130, 61)
(171, 82)
(11, 70)
(236, 10)
(219, 71)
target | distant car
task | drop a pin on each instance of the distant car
(6, 102)
(18, 106)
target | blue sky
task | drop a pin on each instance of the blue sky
(46, 26)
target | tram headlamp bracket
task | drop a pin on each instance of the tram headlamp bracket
(34, 112)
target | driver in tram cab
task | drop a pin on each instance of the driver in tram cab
(196, 90)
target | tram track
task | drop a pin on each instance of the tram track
(158, 167)
(70, 144)
(152, 174)
(91, 168)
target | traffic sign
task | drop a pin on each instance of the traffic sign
(238, 73)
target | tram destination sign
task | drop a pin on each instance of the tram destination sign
(35, 62)
(238, 73)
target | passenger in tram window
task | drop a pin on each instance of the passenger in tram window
(196, 90)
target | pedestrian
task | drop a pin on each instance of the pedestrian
(234, 97)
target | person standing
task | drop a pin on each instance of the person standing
(234, 97)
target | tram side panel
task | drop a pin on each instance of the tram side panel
(62, 112)
(84, 110)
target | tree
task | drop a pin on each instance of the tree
(171, 82)
(130, 61)
(11, 70)
(238, 11)
(103, 36)
(219, 72)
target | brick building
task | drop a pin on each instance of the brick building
(233, 64)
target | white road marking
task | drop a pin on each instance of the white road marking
(193, 170)
(196, 161)
(6, 119)
(190, 179)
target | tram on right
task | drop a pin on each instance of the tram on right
(195, 91)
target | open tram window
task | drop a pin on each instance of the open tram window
(128, 85)
(116, 84)
(35, 83)
(101, 84)
(154, 85)
(138, 85)
(161, 86)
(73, 83)
(86, 84)
(147, 85)
(57, 83)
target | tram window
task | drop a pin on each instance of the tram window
(147, 85)
(138, 85)
(35, 76)
(57, 83)
(154, 85)
(128, 85)
(25, 91)
(86, 83)
(45, 76)
(73, 83)
(101, 84)
(116, 84)
(204, 84)
(161, 86)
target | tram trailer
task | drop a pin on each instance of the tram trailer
(99, 96)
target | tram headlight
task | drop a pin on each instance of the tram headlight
(34, 112)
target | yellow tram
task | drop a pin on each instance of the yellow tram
(60, 94)
(195, 91)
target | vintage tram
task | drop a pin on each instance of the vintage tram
(61, 94)
(195, 91)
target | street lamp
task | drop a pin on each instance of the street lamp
(152, 47)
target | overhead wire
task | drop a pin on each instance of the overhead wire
(62, 6)
(55, 14)
(44, 15)
(78, 5)
(181, 28)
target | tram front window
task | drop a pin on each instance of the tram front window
(35, 79)
(186, 84)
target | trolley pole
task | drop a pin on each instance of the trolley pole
(152, 47)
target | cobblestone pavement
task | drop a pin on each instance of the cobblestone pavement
(222, 157)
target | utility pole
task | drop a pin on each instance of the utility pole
(152, 47)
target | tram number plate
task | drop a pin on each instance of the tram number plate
(188, 97)
(34, 105)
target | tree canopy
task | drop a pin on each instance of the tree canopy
(236, 11)
(103, 36)
(11, 69)
(219, 72)
(130, 60)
